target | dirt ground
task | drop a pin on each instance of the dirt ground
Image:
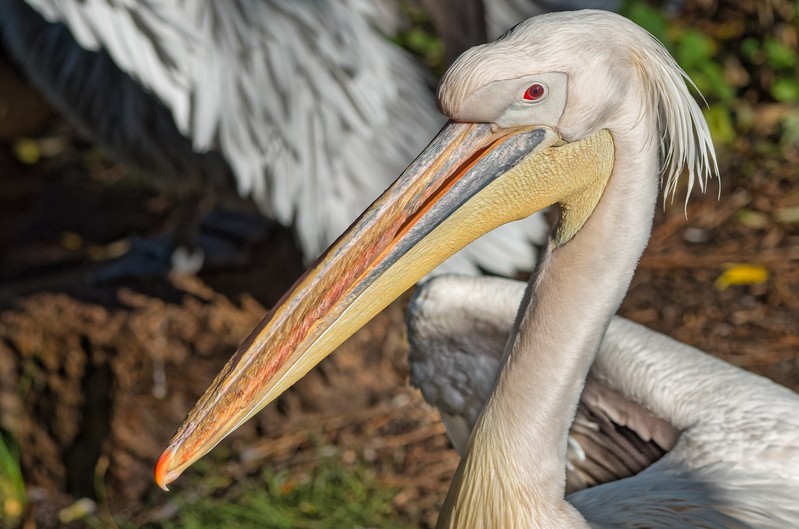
(95, 378)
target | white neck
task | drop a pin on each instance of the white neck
(514, 472)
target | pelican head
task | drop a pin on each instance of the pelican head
(536, 119)
(597, 70)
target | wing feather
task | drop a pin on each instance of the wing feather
(312, 108)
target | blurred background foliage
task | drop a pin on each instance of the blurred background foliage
(330, 494)
(738, 63)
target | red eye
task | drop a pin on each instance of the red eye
(534, 92)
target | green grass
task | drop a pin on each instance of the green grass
(331, 495)
(12, 487)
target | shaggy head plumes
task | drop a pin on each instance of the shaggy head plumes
(604, 56)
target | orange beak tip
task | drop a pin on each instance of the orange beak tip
(161, 468)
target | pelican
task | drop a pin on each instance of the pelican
(302, 106)
(583, 110)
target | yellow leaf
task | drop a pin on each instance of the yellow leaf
(12, 508)
(71, 240)
(109, 251)
(789, 215)
(753, 219)
(741, 274)
(77, 511)
(27, 151)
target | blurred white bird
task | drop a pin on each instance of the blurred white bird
(302, 105)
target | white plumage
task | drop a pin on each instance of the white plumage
(738, 444)
(313, 110)
(736, 462)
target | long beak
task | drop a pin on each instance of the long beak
(471, 179)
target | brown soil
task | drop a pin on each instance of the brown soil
(95, 378)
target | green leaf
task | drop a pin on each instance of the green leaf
(785, 90)
(720, 124)
(778, 55)
(694, 49)
(750, 48)
(650, 19)
(717, 85)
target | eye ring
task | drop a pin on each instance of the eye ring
(535, 92)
